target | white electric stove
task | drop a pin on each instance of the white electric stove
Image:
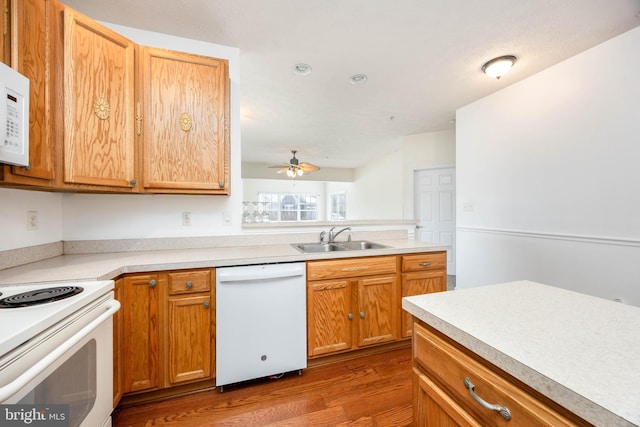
(56, 346)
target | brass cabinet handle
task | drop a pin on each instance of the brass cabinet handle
(424, 264)
(356, 268)
(504, 411)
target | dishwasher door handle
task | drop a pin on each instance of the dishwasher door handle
(250, 273)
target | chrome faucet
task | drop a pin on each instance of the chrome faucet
(332, 235)
(322, 233)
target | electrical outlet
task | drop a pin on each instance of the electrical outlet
(32, 220)
(186, 219)
(226, 218)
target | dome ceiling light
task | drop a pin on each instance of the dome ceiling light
(357, 79)
(302, 69)
(500, 66)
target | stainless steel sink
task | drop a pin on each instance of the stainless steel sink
(318, 247)
(337, 246)
(356, 245)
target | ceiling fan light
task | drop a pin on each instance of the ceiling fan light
(291, 173)
(500, 66)
(300, 172)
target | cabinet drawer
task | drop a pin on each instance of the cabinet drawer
(189, 282)
(421, 262)
(354, 267)
(447, 365)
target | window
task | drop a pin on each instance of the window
(290, 206)
(338, 206)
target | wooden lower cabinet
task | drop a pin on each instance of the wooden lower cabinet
(421, 274)
(168, 330)
(441, 398)
(346, 308)
(117, 344)
(141, 356)
(189, 342)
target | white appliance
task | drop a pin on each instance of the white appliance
(261, 321)
(14, 117)
(56, 357)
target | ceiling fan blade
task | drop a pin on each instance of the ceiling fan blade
(280, 166)
(308, 167)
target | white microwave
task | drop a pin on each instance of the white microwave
(14, 117)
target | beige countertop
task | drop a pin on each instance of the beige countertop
(102, 266)
(581, 351)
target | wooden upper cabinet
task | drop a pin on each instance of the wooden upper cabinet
(32, 26)
(185, 125)
(98, 104)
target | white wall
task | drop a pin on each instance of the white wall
(377, 190)
(14, 205)
(549, 167)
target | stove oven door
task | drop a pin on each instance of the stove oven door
(74, 381)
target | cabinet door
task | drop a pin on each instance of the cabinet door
(98, 104)
(32, 46)
(377, 310)
(185, 127)
(329, 317)
(117, 344)
(432, 406)
(418, 284)
(141, 337)
(189, 338)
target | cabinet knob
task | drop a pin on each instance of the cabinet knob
(152, 283)
(133, 182)
(206, 304)
(350, 316)
(221, 184)
(362, 314)
(189, 284)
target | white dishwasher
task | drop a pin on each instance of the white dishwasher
(260, 321)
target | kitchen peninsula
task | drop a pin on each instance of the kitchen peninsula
(580, 351)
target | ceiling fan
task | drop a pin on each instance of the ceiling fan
(295, 167)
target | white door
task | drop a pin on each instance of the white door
(435, 209)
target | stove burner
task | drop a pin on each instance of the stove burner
(39, 296)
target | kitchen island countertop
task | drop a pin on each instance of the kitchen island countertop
(581, 351)
(106, 266)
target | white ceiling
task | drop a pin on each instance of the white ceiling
(422, 59)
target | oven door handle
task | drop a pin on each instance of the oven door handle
(16, 385)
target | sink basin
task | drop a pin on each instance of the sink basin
(318, 247)
(354, 245)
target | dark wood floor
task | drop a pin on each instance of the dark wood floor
(367, 391)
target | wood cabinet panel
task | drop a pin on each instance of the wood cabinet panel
(141, 333)
(329, 317)
(185, 127)
(98, 104)
(433, 407)
(32, 55)
(377, 310)
(189, 282)
(418, 284)
(424, 261)
(447, 365)
(351, 267)
(189, 338)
